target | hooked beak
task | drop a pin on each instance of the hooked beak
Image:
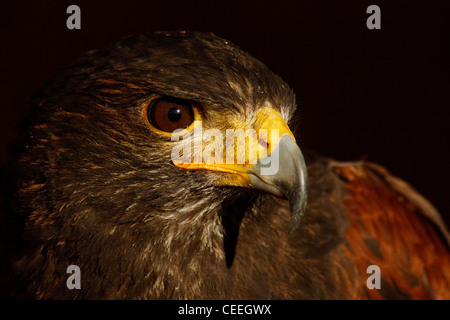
(278, 169)
(290, 181)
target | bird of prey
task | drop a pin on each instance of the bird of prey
(96, 185)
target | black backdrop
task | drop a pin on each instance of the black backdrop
(375, 94)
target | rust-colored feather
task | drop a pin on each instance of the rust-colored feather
(392, 226)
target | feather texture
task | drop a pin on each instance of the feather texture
(92, 186)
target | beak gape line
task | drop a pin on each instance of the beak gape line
(190, 150)
(262, 161)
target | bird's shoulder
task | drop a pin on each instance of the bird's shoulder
(392, 226)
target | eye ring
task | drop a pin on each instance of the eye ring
(166, 114)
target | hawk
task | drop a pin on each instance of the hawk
(95, 184)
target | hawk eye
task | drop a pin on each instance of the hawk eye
(168, 114)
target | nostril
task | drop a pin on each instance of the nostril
(263, 143)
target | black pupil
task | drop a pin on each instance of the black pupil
(174, 114)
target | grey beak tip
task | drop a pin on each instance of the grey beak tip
(297, 212)
(290, 180)
(295, 222)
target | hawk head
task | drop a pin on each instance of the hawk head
(144, 158)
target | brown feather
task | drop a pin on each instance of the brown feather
(92, 186)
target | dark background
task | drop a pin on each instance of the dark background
(375, 94)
